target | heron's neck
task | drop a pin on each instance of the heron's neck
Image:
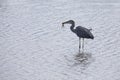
(72, 27)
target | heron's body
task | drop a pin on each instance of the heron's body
(83, 32)
(80, 31)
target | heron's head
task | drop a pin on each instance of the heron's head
(68, 22)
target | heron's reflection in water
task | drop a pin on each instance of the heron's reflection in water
(83, 60)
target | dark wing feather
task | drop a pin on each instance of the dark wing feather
(83, 32)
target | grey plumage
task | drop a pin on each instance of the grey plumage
(83, 32)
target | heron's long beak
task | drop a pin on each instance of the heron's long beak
(62, 24)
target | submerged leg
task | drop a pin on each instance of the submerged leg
(83, 46)
(79, 44)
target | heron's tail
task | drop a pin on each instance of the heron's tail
(92, 37)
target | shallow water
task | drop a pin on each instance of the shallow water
(33, 46)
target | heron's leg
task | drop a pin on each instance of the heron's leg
(83, 46)
(79, 44)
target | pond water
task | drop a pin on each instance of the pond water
(33, 46)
